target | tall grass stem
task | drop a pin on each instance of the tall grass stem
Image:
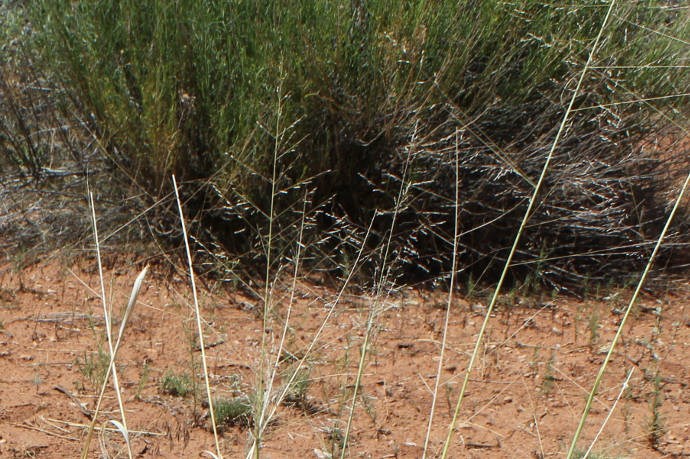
(523, 224)
(449, 303)
(262, 421)
(608, 415)
(374, 309)
(324, 322)
(197, 313)
(107, 312)
(619, 332)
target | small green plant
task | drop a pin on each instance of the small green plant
(369, 406)
(549, 378)
(143, 379)
(195, 366)
(297, 392)
(177, 385)
(470, 286)
(335, 437)
(235, 411)
(593, 326)
(37, 381)
(94, 365)
(534, 362)
(656, 422)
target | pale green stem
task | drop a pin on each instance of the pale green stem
(449, 302)
(197, 312)
(262, 395)
(371, 318)
(526, 217)
(293, 289)
(638, 289)
(608, 416)
(315, 339)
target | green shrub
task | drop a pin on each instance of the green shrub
(342, 94)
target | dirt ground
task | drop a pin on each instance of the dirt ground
(524, 399)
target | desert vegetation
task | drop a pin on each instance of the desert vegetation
(502, 150)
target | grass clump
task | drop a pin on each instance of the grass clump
(236, 411)
(190, 88)
(94, 366)
(177, 385)
(656, 427)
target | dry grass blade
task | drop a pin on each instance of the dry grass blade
(130, 305)
(107, 314)
(197, 312)
(608, 416)
(125, 433)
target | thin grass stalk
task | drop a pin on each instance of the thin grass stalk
(608, 416)
(197, 313)
(358, 380)
(130, 305)
(315, 339)
(450, 299)
(373, 312)
(633, 299)
(108, 332)
(107, 313)
(288, 313)
(262, 395)
(523, 224)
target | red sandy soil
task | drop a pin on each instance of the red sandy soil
(524, 399)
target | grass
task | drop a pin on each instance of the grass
(177, 385)
(656, 421)
(299, 388)
(361, 88)
(197, 315)
(518, 235)
(143, 380)
(593, 326)
(628, 310)
(94, 366)
(233, 411)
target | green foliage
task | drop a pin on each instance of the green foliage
(343, 91)
(175, 85)
(594, 325)
(177, 385)
(656, 421)
(233, 411)
(297, 392)
(94, 366)
(143, 379)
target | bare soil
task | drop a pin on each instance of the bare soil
(524, 399)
